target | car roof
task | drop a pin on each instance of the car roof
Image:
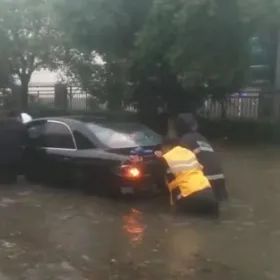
(98, 118)
(66, 120)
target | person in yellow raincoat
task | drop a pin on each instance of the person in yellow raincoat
(189, 188)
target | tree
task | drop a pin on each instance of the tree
(175, 51)
(108, 28)
(262, 19)
(201, 44)
(97, 78)
(29, 38)
(4, 64)
(4, 74)
(260, 14)
(85, 70)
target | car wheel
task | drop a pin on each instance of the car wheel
(84, 180)
(31, 171)
(81, 179)
(100, 187)
(10, 178)
(92, 186)
(31, 178)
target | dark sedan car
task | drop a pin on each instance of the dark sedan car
(94, 153)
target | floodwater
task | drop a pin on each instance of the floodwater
(47, 233)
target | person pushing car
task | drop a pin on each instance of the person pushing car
(190, 138)
(13, 137)
(190, 190)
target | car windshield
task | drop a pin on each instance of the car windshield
(124, 135)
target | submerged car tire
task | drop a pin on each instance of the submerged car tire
(99, 187)
(8, 179)
(32, 178)
(82, 180)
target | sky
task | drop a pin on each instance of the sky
(44, 76)
(48, 77)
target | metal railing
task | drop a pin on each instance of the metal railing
(249, 107)
(45, 96)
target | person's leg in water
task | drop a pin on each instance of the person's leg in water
(219, 189)
(200, 203)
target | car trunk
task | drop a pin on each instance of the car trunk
(152, 165)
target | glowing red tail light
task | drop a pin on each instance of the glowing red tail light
(131, 172)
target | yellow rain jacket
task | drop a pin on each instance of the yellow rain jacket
(188, 177)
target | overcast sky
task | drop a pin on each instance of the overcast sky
(44, 76)
(47, 77)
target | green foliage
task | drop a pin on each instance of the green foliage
(201, 43)
(165, 51)
(105, 26)
(84, 70)
(28, 38)
(170, 50)
(104, 81)
(4, 64)
(236, 131)
(260, 14)
(262, 20)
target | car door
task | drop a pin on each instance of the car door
(60, 149)
(34, 156)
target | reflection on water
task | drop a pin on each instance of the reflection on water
(134, 226)
(74, 237)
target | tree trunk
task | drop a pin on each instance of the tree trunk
(115, 102)
(24, 94)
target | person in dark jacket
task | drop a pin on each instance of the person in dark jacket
(190, 138)
(12, 141)
(190, 190)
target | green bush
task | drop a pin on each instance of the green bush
(241, 131)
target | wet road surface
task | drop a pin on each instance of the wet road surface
(47, 233)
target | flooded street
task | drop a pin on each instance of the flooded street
(48, 233)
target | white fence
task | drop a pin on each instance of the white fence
(44, 95)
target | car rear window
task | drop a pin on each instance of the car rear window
(124, 135)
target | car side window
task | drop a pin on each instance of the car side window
(83, 142)
(57, 135)
(35, 134)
